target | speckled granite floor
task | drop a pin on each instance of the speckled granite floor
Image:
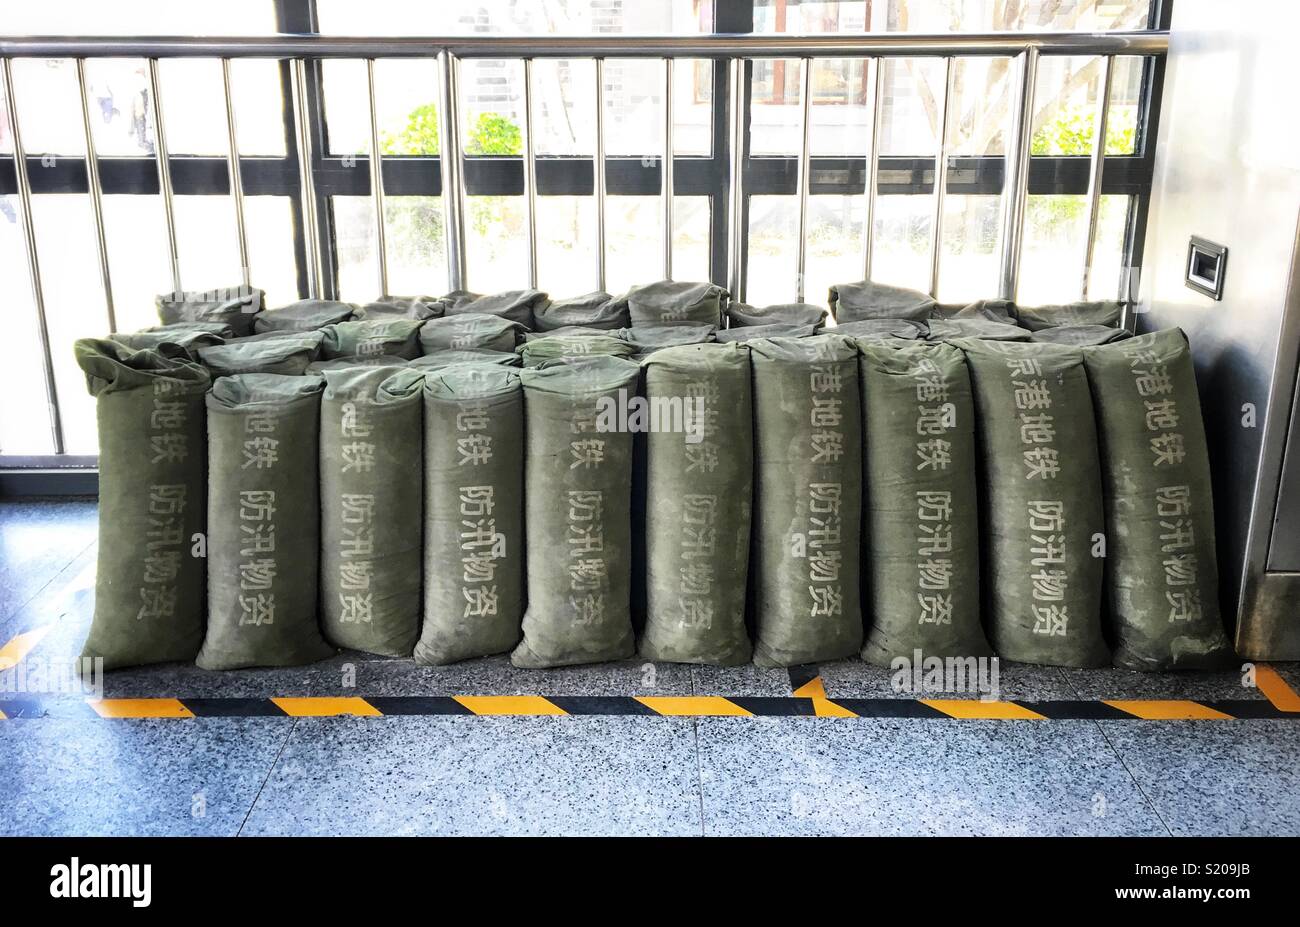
(64, 774)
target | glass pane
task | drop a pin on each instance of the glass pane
(140, 17)
(419, 17)
(137, 257)
(1051, 257)
(1125, 105)
(834, 244)
(809, 17)
(121, 106)
(970, 262)
(980, 16)
(406, 95)
(633, 227)
(24, 426)
(354, 234)
(496, 246)
(1065, 106)
(417, 247)
(270, 247)
(208, 242)
(194, 107)
(841, 112)
(691, 215)
(566, 245)
(49, 106)
(634, 108)
(564, 107)
(772, 262)
(692, 107)
(347, 106)
(913, 89)
(1108, 248)
(901, 241)
(774, 111)
(492, 107)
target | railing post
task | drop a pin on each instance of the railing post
(805, 177)
(306, 181)
(666, 175)
(451, 170)
(165, 174)
(876, 94)
(377, 182)
(530, 174)
(1015, 183)
(598, 173)
(95, 186)
(236, 177)
(941, 175)
(1096, 168)
(736, 181)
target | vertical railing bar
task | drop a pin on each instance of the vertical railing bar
(877, 96)
(599, 174)
(307, 181)
(666, 174)
(1096, 168)
(96, 188)
(451, 168)
(165, 174)
(941, 175)
(33, 259)
(805, 177)
(736, 182)
(377, 182)
(530, 173)
(236, 176)
(1015, 184)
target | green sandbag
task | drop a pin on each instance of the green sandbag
(574, 331)
(775, 330)
(235, 306)
(397, 337)
(596, 310)
(922, 508)
(669, 302)
(1162, 576)
(283, 353)
(554, 347)
(516, 306)
(468, 356)
(1098, 312)
(856, 302)
(988, 329)
(883, 328)
(370, 459)
(305, 315)
(744, 315)
(188, 340)
(578, 523)
(263, 522)
(995, 310)
(699, 483)
(352, 363)
(399, 307)
(152, 436)
(808, 500)
(469, 331)
(212, 328)
(648, 338)
(1041, 487)
(1080, 335)
(473, 513)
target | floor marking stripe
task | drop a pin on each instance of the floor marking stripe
(979, 709)
(1166, 710)
(509, 705)
(813, 688)
(140, 708)
(694, 705)
(825, 708)
(12, 653)
(312, 707)
(1275, 689)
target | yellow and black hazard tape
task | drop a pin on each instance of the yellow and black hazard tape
(674, 706)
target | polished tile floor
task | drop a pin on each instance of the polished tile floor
(66, 773)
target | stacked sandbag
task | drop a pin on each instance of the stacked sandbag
(799, 314)
(808, 496)
(469, 331)
(518, 306)
(188, 340)
(287, 353)
(149, 585)
(854, 302)
(235, 307)
(534, 353)
(370, 488)
(884, 328)
(578, 492)
(648, 338)
(305, 315)
(469, 356)
(395, 337)
(1162, 576)
(596, 310)
(399, 307)
(1041, 486)
(775, 330)
(995, 310)
(672, 303)
(1080, 335)
(263, 522)
(474, 505)
(351, 363)
(975, 327)
(1096, 312)
(922, 509)
(699, 459)
(573, 331)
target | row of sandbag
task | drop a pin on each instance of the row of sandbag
(1010, 488)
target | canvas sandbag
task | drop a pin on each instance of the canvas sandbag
(883, 328)
(649, 338)
(800, 314)
(988, 329)
(149, 586)
(212, 328)
(577, 481)
(263, 522)
(303, 316)
(352, 363)
(188, 340)
(399, 307)
(284, 353)
(1080, 335)
(699, 481)
(995, 310)
(473, 514)
(922, 510)
(596, 310)
(1040, 480)
(775, 330)
(854, 302)
(235, 306)
(450, 358)
(573, 331)
(1096, 312)
(371, 455)
(808, 500)
(537, 352)
(472, 330)
(1162, 575)
(516, 306)
(396, 337)
(669, 302)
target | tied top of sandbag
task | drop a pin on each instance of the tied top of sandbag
(1096, 312)
(775, 330)
(744, 315)
(282, 352)
(213, 328)
(112, 367)
(897, 357)
(249, 391)
(516, 305)
(234, 306)
(964, 327)
(471, 381)
(1080, 335)
(189, 340)
(349, 363)
(1161, 347)
(595, 310)
(557, 346)
(303, 315)
(995, 310)
(372, 336)
(469, 330)
(652, 337)
(1059, 355)
(465, 356)
(669, 302)
(853, 302)
(819, 349)
(399, 307)
(698, 358)
(378, 385)
(884, 329)
(582, 376)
